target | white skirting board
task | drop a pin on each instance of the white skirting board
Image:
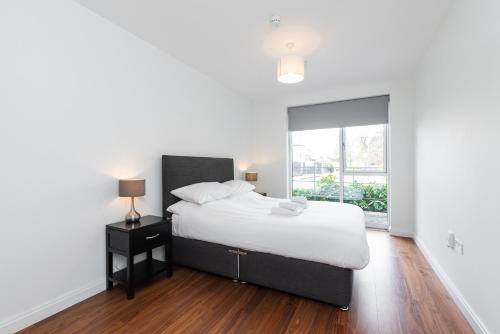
(51, 307)
(471, 316)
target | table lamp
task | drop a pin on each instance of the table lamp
(132, 189)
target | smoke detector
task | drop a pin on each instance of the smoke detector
(275, 20)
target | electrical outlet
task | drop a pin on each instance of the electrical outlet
(451, 239)
(454, 244)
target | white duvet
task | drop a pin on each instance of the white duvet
(331, 233)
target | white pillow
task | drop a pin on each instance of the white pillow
(203, 192)
(239, 187)
(178, 207)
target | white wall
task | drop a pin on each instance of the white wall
(271, 142)
(458, 117)
(83, 103)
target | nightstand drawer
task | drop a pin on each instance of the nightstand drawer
(147, 238)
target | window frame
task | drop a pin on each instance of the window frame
(385, 172)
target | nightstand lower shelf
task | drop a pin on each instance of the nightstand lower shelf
(143, 272)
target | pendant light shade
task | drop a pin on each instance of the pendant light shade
(291, 69)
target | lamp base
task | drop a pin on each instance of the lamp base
(132, 216)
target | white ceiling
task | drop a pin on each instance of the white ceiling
(344, 41)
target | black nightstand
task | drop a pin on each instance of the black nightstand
(132, 239)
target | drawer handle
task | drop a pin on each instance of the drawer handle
(154, 236)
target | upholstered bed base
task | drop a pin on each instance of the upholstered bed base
(314, 280)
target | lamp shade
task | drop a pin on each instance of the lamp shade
(291, 69)
(251, 176)
(131, 188)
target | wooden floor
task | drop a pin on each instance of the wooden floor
(396, 293)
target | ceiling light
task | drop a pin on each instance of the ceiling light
(290, 68)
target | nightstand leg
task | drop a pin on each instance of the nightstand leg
(109, 270)
(168, 258)
(149, 259)
(130, 277)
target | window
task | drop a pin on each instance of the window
(316, 164)
(343, 165)
(365, 148)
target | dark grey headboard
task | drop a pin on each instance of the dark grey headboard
(180, 171)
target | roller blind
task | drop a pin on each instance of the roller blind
(363, 111)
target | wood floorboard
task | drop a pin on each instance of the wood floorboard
(396, 293)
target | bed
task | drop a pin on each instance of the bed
(237, 238)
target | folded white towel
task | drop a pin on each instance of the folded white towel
(301, 200)
(290, 205)
(286, 212)
(302, 205)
